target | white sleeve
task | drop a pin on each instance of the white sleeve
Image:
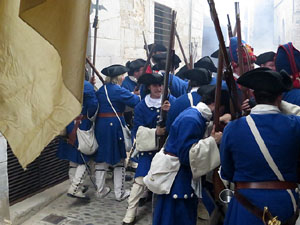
(289, 109)
(204, 156)
(146, 139)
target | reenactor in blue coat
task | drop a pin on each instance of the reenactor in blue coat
(130, 82)
(259, 154)
(68, 150)
(197, 77)
(288, 58)
(112, 102)
(135, 71)
(145, 130)
(266, 59)
(191, 141)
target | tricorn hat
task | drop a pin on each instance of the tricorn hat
(265, 79)
(265, 57)
(135, 65)
(203, 76)
(114, 70)
(288, 58)
(157, 48)
(151, 78)
(206, 63)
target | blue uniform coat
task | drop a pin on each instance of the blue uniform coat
(147, 117)
(89, 107)
(292, 96)
(180, 206)
(108, 129)
(179, 106)
(242, 161)
(129, 84)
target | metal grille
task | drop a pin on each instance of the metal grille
(162, 24)
(46, 171)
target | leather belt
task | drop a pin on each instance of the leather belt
(109, 114)
(266, 185)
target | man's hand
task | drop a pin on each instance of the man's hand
(160, 131)
(225, 118)
(246, 106)
(136, 92)
(216, 135)
(166, 106)
(93, 80)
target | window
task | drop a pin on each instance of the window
(162, 24)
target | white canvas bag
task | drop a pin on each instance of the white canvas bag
(162, 173)
(87, 142)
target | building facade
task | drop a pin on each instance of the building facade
(122, 23)
(287, 22)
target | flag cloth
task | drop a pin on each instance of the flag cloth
(42, 58)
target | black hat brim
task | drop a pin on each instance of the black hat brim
(114, 70)
(151, 78)
(264, 58)
(264, 79)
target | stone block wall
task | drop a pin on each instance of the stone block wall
(120, 36)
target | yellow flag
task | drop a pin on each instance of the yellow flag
(42, 57)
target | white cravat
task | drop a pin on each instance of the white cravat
(153, 102)
(265, 109)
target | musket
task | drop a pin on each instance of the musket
(168, 69)
(218, 92)
(240, 47)
(230, 34)
(239, 38)
(228, 69)
(145, 44)
(94, 69)
(182, 51)
(146, 65)
(95, 26)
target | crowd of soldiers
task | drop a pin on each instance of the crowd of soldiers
(256, 153)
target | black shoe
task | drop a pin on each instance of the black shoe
(142, 202)
(78, 197)
(85, 188)
(131, 223)
(128, 178)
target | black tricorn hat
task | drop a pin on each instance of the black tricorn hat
(203, 76)
(181, 72)
(265, 57)
(215, 54)
(206, 63)
(135, 65)
(151, 78)
(114, 70)
(163, 56)
(265, 79)
(157, 48)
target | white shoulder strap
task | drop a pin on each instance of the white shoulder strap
(267, 155)
(190, 97)
(112, 105)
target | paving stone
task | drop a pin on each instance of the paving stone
(106, 211)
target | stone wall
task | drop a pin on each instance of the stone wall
(120, 37)
(4, 203)
(287, 21)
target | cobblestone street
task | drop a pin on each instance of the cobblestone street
(106, 211)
